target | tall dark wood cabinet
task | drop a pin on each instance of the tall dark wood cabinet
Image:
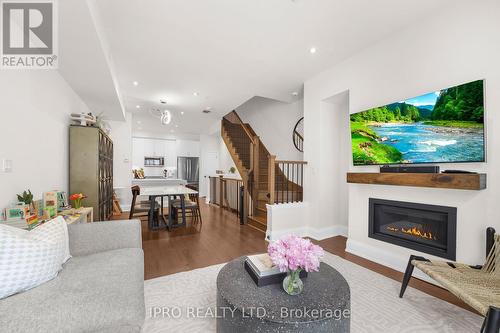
(91, 169)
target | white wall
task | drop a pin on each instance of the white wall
(121, 134)
(332, 190)
(35, 107)
(457, 45)
(273, 122)
(225, 160)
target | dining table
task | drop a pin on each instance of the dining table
(154, 192)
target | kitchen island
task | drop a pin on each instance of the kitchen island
(158, 181)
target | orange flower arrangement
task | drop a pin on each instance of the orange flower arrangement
(77, 199)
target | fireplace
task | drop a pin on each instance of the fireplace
(425, 228)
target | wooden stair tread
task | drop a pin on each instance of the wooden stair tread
(257, 223)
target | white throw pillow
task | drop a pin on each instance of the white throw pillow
(56, 231)
(28, 259)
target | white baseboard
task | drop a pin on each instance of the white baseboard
(323, 233)
(383, 257)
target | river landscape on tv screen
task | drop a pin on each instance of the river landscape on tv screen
(438, 127)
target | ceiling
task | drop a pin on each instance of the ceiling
(83, 60)
(227, 51)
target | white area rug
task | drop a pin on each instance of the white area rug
(375, 305)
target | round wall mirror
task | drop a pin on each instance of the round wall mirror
(298, 135)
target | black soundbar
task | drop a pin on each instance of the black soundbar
(410, 169)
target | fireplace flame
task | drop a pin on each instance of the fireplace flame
(414, 232)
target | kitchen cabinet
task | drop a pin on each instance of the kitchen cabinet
(188, 148)
(159, 148)
(170, 154)
(149, 147)
(168, 149)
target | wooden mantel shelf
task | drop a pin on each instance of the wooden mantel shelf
(459, 181)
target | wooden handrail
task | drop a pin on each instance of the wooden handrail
(242, 124)
(271, 171)
(291, 162)
(226, 179)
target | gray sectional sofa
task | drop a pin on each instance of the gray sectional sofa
(100, 289)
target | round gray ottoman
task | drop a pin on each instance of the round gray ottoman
(323, 306)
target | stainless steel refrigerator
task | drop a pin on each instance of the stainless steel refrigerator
(187, 168)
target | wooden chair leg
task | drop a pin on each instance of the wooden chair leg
(194, 218)
(491, 323)
(199, 214)
(156, 219)
(408, 273)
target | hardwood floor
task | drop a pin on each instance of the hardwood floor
(222, 239)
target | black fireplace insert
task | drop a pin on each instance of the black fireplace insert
(426, 228)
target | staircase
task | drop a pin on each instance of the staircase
(266, 180)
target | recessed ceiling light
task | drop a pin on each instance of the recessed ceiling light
(295, 93)
(206, 111)
(135, 83)
(182, 112)
(312, 50)
(138, 106)
(195, 94)
(162, 101)
(139, 122)
(208, 108)
(176, 126)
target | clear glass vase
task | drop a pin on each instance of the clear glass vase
(292, 284)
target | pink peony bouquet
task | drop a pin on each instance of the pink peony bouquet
(291, 253)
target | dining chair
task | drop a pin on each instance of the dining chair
(142, 206)
(192, 206)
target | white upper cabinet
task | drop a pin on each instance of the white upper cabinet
(170, 153)
(170, 149)
(149, 147)
(159, 148)
(188, 148)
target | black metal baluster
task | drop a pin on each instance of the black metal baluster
(287, 180)
(301, 182)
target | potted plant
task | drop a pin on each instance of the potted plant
(26, 198)
(293, 254)
(232, 169)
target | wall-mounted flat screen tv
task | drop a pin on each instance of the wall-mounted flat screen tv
(445, 126)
